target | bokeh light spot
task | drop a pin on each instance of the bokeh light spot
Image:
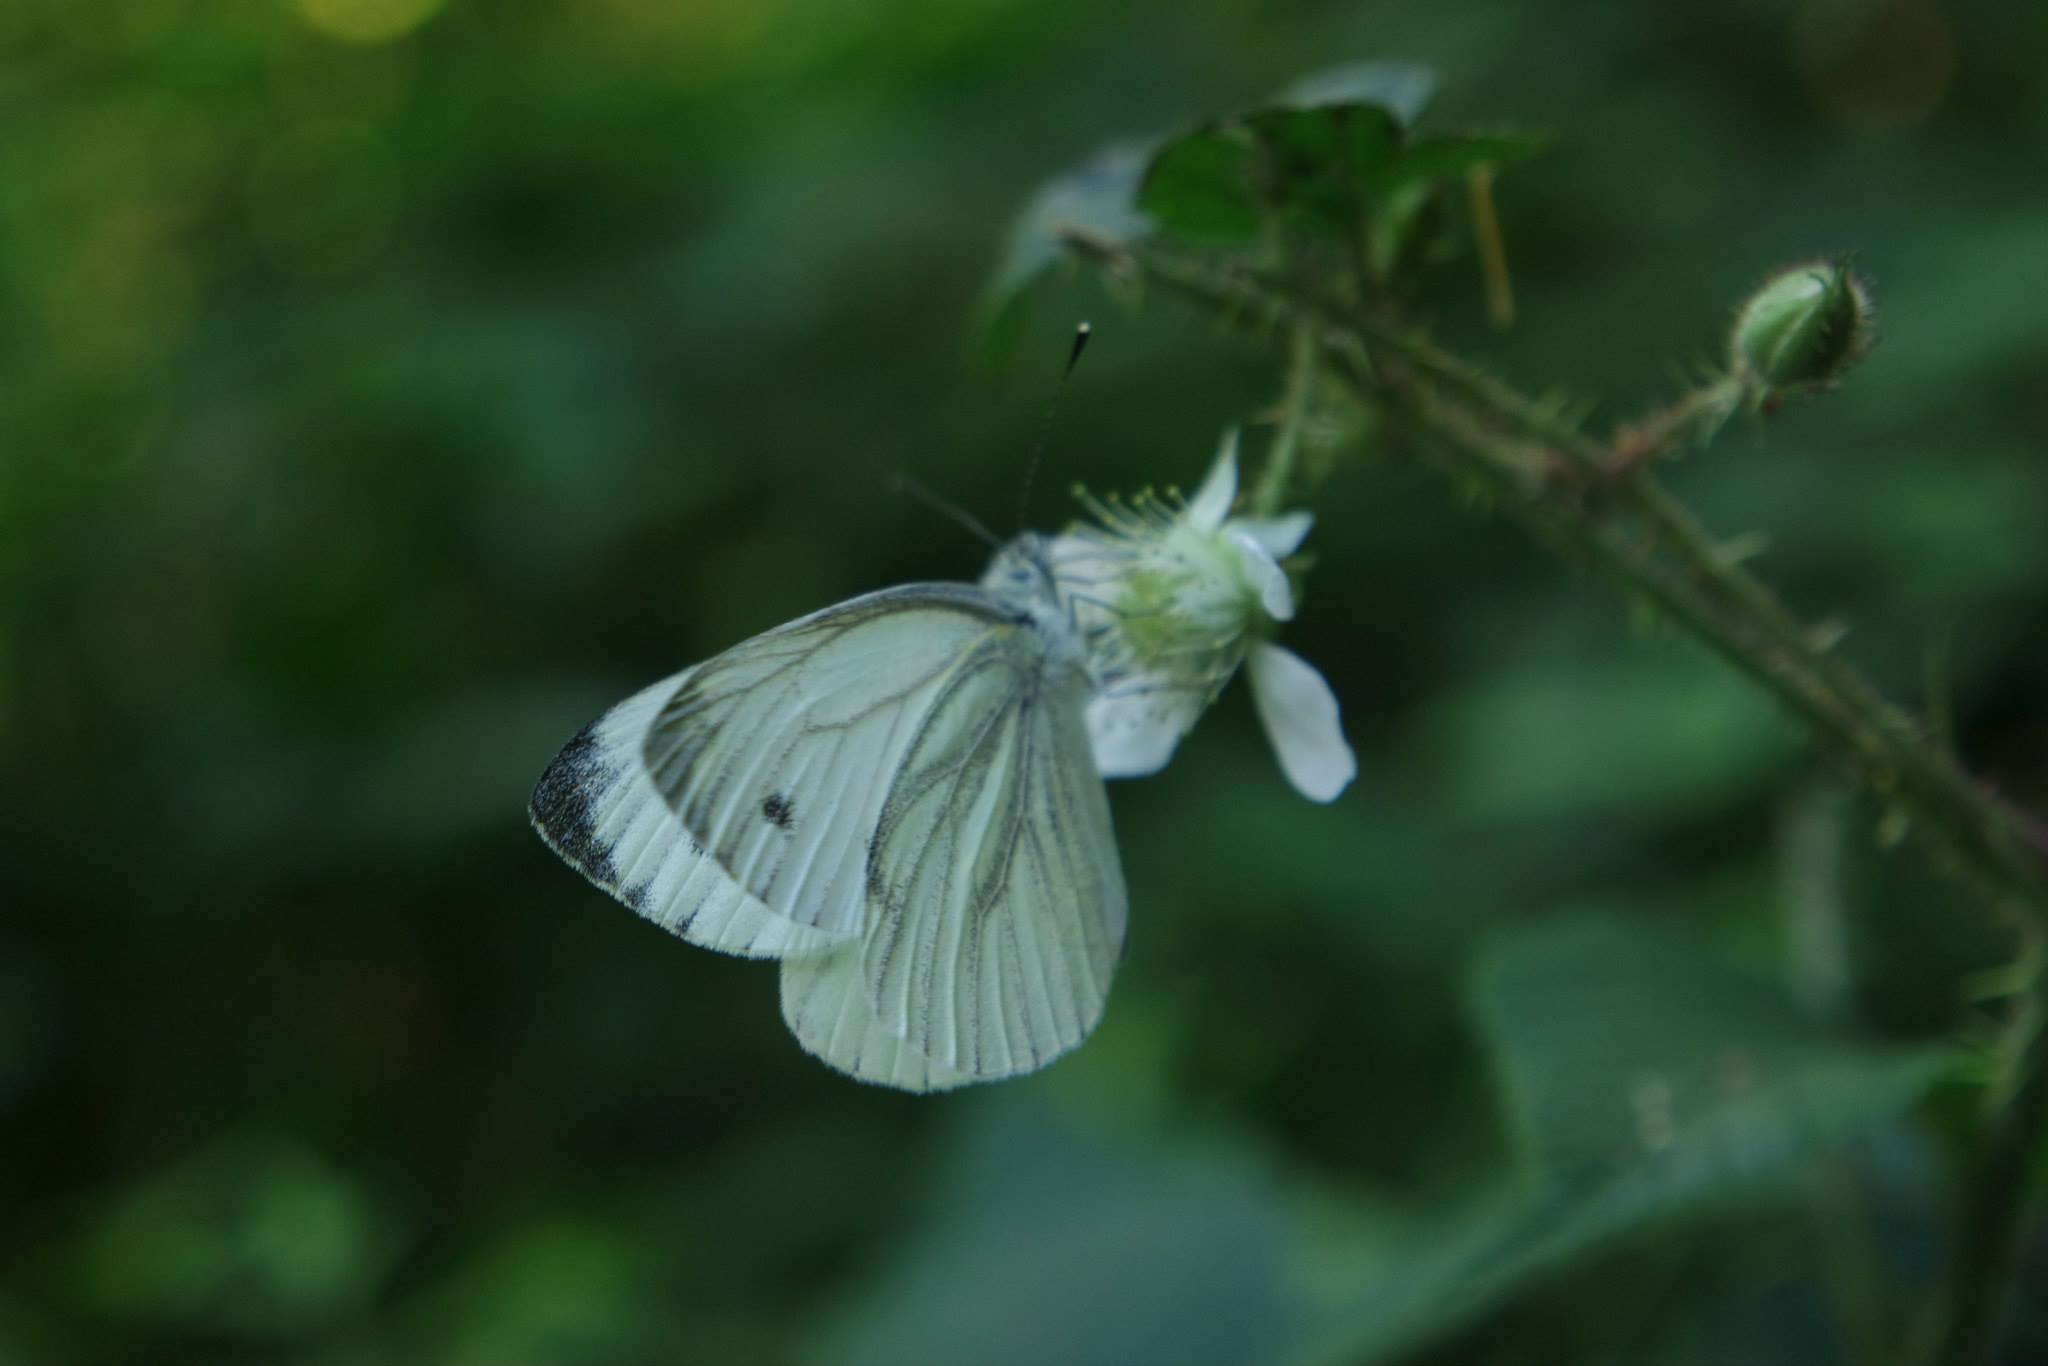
(367, 21)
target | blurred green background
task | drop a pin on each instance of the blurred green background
(386, 386)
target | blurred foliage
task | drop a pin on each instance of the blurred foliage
(1646, 1081)
(1329, 157)
(388, 385)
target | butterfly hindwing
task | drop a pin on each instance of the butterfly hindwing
(998, 900)
(825, 1003)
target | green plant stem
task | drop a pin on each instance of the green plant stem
(1696, 415)
(1270, 496)
(1812, 835)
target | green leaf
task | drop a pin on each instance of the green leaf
(1099, 196)
(1306, 164)
(1056, 1241)
(1201, 186)
(1454, 156)
(1307, 172)
(1402, 89)
(1325, 165)
(1647, 1080)
(1327, 159)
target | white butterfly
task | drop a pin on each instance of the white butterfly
(896, 796)
(900, 798)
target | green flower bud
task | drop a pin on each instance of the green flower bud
(1801, 331)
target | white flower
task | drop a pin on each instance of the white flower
(1172, 597)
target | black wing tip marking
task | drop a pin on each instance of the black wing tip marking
(778, 810)
(560, 807)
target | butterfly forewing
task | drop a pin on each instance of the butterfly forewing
(598, 807)
(778, 755)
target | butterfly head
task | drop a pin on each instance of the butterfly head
(1022, 570)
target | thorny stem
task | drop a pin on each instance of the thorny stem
(1697, 414)
(1565, 478)
(1598, 503)
(1988, 842)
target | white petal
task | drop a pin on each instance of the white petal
(1280, 536)
(1211, 503)
(1300, 716)
(1276, 595)
(1086, 557)
(1133, 731)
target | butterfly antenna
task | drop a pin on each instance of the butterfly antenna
(1081, 335)
(903, 483)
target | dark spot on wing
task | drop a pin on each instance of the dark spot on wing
(778, 811)
(561, 803)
